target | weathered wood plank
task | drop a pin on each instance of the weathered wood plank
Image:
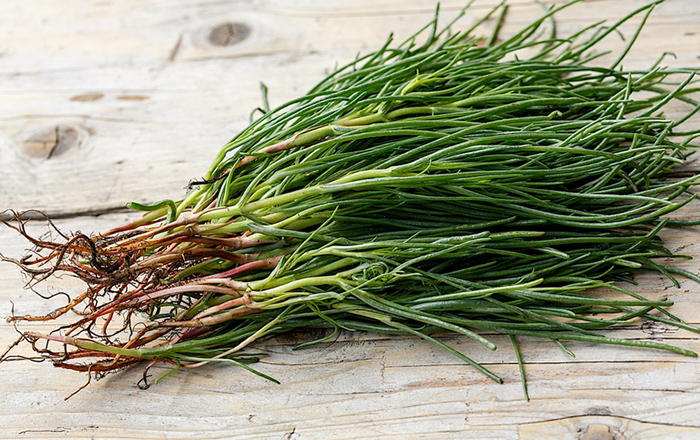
(603, 428)
(135, 125)
(366, 386)
(143, 101)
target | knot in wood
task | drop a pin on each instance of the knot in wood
(597, 431)
(229, 33)
(53, 141)
(656, 329)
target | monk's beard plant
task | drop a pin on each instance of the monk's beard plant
(450, 183)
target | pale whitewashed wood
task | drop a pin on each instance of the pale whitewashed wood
(147, 118)
(143, 100)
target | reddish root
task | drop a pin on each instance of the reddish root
(56, 313)
(209, 321)
(130, 269)
(98, 366)
(268, 263)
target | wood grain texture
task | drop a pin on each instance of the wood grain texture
(107, 102)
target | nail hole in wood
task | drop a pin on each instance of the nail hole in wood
(228, 34)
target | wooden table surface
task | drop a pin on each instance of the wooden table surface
(106, 102)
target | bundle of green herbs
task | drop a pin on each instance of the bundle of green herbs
(457, 184)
